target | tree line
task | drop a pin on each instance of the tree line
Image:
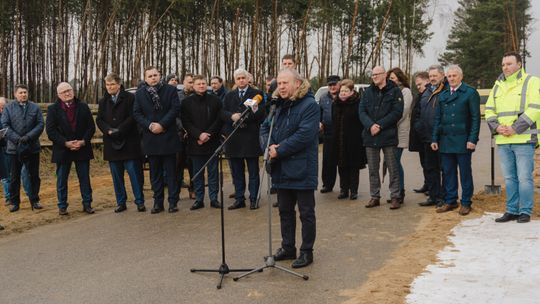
(49, 41)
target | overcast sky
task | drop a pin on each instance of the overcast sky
(442, 13)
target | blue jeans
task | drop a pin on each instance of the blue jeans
(82, 167)
(239, 179)
(198, 184)
(135, 171)
(450, 163)
(399, 152)
(517, 164)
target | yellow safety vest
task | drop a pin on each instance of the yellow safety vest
(515, 101)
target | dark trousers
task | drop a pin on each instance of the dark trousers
(134, 169)
(158, 165)
(422, 157)
(239, 180)
(287, 199)
(198, 183)
(432, 172)
(348, 179)
(183, 162)
(450, 163)
(82, 167)
(329, 164)
(32, 168)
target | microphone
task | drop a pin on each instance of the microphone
(252, 105)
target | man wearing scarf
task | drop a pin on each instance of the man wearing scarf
(155, 110)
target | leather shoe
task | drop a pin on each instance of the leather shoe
(156, 209)
(395, 203)
(464, 210)
(141, 208)
(507, 217)
(343, 194)
(374, 202)
(173, 209)
(37, 206)
(524, 218)
(446, 208)
(237, 205)
(303, 260)
(215, 204)
(423, 189)
(428, 203)
(13, 208)
(325, 190)
(197, 205)
(88, 210)
(62, 211)
(253, 205)
(120, 208)
(281, 255)
(354, 196)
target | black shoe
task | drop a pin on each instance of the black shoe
(275, 205)
(88, 210)
(37, 206)
(524, 218)
(354, 196)
(215, 204)
(303, 260)
(282, 255)
(120, 208)
(197, 205)
(325, 190)
(156, 209)
(141, 208)
(13, 208)
(507, 217)
(423, 189)
(343, 194)
(428, 203)
(237, 205)
(62, 211)
(173, 209)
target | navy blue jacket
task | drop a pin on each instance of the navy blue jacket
(326, 113)
(458, 120)
(296, 129)
(144, 113)
(22, 123)
(385, 108)
(429, 105)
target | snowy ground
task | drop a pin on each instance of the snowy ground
(487, 262)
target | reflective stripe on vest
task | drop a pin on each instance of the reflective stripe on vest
(522, 103)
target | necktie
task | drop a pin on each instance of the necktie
(114, 99)
(241, 94)
(452, 91)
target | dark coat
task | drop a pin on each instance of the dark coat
(325, 103)
(429, 103)
(415, 141)
(119, 115)
(22, 123)
(144, 113)
(458, 120)
(221, 93)
(59, 131)
(296, 129)
(385, 108)
(347, 137)
(201, 113)
(245, 142)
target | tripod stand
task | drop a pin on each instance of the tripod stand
(269, 261)
(223, 268)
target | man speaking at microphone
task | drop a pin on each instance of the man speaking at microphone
(243, 147)
(293, 154)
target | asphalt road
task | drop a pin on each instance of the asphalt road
(143, 258)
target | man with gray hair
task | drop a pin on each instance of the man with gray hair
(243, 147)
(70, 126)
(379, 111)
(24, 123)
(455, 134)
(424, 128)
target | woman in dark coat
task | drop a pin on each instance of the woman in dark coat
(347, 139)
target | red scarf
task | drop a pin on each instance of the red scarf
(70, 108)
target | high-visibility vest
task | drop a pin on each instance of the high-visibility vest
(515, 101)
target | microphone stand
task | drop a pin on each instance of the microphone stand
(223, 268)
(269, 261)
